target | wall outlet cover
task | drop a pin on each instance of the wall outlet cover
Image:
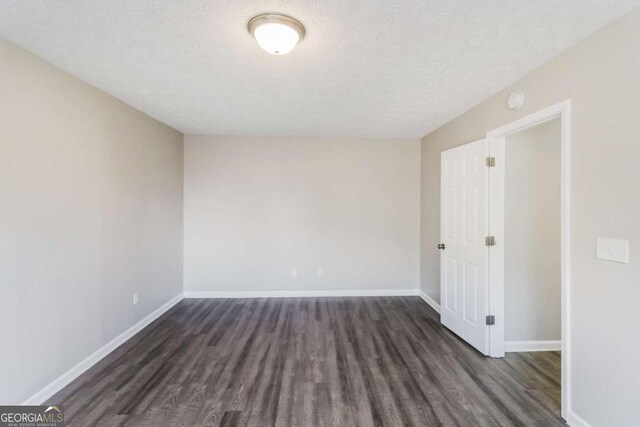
(612, 249)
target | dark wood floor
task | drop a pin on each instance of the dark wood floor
(310, 361)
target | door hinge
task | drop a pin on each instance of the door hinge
(491, 320)
(491, 162)
(490, 241)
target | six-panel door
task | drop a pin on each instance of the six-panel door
(464, 259)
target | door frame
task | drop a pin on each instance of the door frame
(495, 140)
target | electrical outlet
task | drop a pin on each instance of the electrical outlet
(613, 250)
(135, 298)
(320, 271)
(294, 272)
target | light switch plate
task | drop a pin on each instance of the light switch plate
(613, 249)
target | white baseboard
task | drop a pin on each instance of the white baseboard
(520, 346)
(430, 301)
(298, 294)
(73, 373)
(575, 420)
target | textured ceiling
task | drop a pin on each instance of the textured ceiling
(366, 68)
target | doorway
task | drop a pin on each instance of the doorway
(532, 239)
(473, 237)
(496, 140)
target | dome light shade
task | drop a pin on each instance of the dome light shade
(275, 33)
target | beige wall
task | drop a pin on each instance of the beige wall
(257, 207)
(90, 212)
(600, 75)
(532, 234)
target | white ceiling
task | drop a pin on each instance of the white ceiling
(367, 68)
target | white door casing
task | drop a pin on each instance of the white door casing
(496, 145)
(464, 261)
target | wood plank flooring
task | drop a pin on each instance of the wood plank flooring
(383, 361)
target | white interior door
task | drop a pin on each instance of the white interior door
(464, 255)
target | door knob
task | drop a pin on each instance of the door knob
(441, 246)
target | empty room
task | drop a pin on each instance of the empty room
(319, 213)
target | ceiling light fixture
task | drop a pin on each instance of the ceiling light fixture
(276, 33)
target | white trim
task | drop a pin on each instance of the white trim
(73, 373)
(430, 301)
(302, 293)
(574, 420)
(496, 253)
(496, 140)
(520, 346)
